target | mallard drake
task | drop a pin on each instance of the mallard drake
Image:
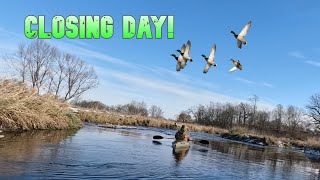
(237, 65)
(210, 59)
(181, 60)
(186, 53)
(175, 57)
(178, 64)
(240, 37)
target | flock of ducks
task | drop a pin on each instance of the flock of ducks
(185, 52)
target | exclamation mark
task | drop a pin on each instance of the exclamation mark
(170, 27)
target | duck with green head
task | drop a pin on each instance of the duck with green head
(240, 37)
(210, 59)
(178, 64)
(186, 53)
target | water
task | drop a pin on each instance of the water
(98, 153)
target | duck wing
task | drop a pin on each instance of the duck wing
(183, 48)
(233, 69)
(239, 44)
(213, 52)
(188, 47)
(206, 68)
(245, 29)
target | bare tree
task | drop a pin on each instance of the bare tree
(314, 108)
(136, 108)
(45, 68)
(19, 62)
(244, 110)
(199, 113)
(155, 111)
(279, 113)
(58, 74)
(254, 99)
(262, 119)
(32, 62)
(80, 77)
(184, 117)
(293, 117)
(39, 56)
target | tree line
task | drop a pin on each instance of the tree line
(132, 108)
(281, 120)
(50, 71)
(285, 121)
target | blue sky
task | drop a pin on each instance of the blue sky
(281, 62)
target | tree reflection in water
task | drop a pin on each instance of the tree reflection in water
(23, 148)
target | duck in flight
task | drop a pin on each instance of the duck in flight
(181, 62)
(178, 64)
(237, 65)
(186, 53)
(240, 37)
(210, 59)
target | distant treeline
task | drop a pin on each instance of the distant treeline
(132, 108)
(288, 121)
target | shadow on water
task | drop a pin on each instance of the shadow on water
(23, 148)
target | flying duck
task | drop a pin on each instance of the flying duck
(178, 66)
(186, 53)
(210, 59)
(237, 65)
(240, 37)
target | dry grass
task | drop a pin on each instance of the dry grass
(136, 120)
(22, 109)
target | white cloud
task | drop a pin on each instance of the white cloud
(297, 54)
(84, 52)
(244, 80)
(267, 84)
(300, 55)
(247, 81)
(314, 63)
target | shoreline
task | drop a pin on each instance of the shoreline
(113, 119)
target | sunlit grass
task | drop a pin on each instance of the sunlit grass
(21, 108)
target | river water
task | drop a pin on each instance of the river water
(97, 153)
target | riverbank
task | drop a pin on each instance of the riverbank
(22, 109)
(311, 145)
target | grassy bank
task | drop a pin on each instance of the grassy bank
(136, 120)
(22, 108)
(102, 117)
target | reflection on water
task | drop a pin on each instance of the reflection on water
(156, 142)
(20, 148)
(179, 154)
(277, 160)
(95, 152)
